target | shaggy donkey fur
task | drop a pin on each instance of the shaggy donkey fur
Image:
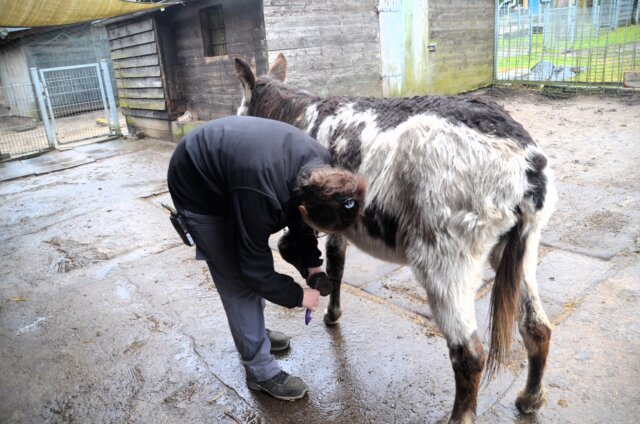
(454, 182)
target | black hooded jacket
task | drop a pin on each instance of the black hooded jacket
(246, 168)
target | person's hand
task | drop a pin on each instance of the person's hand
(311, 299)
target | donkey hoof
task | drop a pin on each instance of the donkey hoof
(321, 282)
(331, 316)
(528, 403)
(468, 419)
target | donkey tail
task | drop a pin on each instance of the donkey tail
(505, 297)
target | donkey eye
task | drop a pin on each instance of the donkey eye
(349, 204)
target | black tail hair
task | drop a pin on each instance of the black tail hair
(505, 298)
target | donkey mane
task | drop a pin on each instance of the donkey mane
(274, 100)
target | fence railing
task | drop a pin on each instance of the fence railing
(59, 106)
(573, 44)
(21, 129)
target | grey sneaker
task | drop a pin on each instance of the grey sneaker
(279, 341)
(282, 386)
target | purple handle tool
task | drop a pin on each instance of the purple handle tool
(307, 317)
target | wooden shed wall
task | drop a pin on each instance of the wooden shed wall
(137, 65)
(209, 86)
(463, 34)
(332, 46)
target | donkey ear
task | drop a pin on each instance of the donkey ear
(278, 68)
(245, 74)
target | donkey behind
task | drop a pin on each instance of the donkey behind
(454, 182)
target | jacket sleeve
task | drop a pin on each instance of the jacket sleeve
(256, 217)
(306, 243)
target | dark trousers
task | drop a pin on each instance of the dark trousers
(215, 243)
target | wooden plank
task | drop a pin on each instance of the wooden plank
(143, 104)
(287, 9)
(139, 82)
(144, 71)
(149, 123)
(347, 22)
(157, 128)
(133, 40)
(339, 40)
(141, 93)
(152, 114)
(465, 43)
(130, 28)
(135, 51)
(136, 62)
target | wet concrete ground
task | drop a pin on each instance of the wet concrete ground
(106, 317)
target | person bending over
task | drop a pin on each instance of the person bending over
(236, 181)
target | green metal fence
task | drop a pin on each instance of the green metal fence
(568, 42)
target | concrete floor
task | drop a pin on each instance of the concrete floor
(106, 317)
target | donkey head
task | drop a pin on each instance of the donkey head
(277, 71)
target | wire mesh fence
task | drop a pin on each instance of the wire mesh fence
(54, 88)
(21, 130)
(77, 101)
(568, 42)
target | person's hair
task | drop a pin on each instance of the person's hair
(333, 197)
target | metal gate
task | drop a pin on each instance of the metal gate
(567, 42)
(77, 102)
(62, 105)
(21, 130)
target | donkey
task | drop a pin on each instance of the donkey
(453, 183)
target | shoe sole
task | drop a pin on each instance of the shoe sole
(254, 386)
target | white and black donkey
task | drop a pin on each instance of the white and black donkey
(453, 183)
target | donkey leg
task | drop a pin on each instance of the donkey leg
(336, 249)
(467, 359)
(451, 297)
(535, 329)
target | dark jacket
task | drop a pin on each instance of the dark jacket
(246, 168)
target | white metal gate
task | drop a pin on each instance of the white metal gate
(21, 131)
(60, 106)
(76, 103)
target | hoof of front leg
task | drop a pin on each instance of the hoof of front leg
(332, 315)
(467, 418)
(528, 403)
